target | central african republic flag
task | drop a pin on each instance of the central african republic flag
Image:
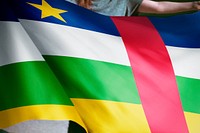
(60, 63)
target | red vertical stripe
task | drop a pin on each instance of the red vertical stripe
(153, 73)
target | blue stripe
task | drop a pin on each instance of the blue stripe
(179, 30)
(75, 17)
(6, 13)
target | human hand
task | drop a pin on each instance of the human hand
(196, 5)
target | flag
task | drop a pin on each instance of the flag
(120, 74)
(181, 37)
(29, 89)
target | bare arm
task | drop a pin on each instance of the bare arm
(148, 6)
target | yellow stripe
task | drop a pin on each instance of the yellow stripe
(38, 112)
(111, 117)
(193, 122)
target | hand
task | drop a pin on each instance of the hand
(84, 3)
(196, 5)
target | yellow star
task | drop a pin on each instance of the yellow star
(47, 10)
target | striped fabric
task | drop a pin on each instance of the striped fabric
(108, 74)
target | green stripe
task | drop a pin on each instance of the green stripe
(190, 93)
(29, 83)
(91, 79)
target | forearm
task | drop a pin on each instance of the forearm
(169, 7)
(148, 6)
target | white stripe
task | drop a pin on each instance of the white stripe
(185, 61)
(15, 44)
(39, 127)
(53, 39)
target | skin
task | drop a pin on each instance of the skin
(85, 3)
(149, 6)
